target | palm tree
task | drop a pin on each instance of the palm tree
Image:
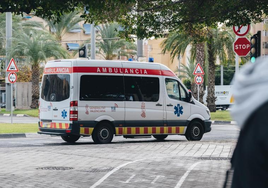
(17, 24)
(188, 70)
(36, 47)
(111, 45)
(66, 23)
(219, 45)
(176, 44)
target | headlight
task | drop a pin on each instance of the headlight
(208, 112)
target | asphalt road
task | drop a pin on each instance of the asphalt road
(45, 161)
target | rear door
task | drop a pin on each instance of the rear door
(55, 92)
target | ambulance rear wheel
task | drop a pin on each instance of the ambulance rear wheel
(194, 131)
(70, 138)
(160, 137)
(103, 133)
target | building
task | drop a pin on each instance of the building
(151, 48)
(263, 27)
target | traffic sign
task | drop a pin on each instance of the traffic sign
(198, 79)
(242, 46)
(12, 77)
(241, 30)
(198, 70)
(12, 67)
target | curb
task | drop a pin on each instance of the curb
(20, 135)
(17, 135)
(224, 122)
(15, 115)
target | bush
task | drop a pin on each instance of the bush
(187, 83)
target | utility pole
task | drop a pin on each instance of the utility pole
(8, 45)
(93, 42)
(221, 74)
(139, 48)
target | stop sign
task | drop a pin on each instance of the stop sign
(242, 46)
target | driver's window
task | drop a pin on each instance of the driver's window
(183, 93)
(172, 87)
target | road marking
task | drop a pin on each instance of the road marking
(129, 179)
(179, 184)
(157, 177)
(111, 172)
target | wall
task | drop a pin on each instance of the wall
(23, 95)
(155, 51)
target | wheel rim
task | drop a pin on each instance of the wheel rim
(104, 134)
(196, 131)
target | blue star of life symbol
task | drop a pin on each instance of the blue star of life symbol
(178, 110)
(64, 114)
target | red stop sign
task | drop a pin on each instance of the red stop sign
(242, 46)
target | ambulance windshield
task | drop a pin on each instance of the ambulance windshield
(55, 87)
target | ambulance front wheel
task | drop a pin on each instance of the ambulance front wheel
(70, 138)
(103, 133)
(194, 131)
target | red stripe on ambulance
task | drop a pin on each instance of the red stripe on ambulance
(108, 70)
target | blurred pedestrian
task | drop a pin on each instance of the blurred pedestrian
(250, 111)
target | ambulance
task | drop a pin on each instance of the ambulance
(103, 99)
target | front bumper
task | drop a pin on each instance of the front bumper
(207, 125)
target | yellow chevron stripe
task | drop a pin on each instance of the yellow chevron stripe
(86, 130)
(182, 129)
(53, 125)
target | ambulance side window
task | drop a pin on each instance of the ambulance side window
(141, 88)
(175, 90)
(101, 88)
(172, 87)
(183, 94)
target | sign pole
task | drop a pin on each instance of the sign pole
(12, 78)
(240, 31)
(236, 60)
(198, 92)
(11, 103)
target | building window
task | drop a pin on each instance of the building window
(76, 29)
(87, 28)
(265, 33)
(53, 30)
(72, 46)
(265, 45)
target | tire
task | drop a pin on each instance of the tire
(195, 131)
(70, 138)
(103, 133)
(160, 137)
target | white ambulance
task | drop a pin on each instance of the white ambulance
(101, 99)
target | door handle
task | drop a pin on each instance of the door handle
(158, 104)
(55, 109)
(169, 105)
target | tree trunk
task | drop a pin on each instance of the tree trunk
(200, 58)
(193, 87)
(35, 85)
(211, 76)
